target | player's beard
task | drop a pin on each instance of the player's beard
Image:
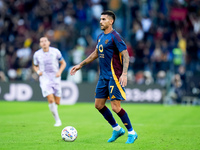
(103, 27)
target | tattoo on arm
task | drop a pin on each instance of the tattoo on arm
(125, 60)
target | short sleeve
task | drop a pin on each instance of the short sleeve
(120, 44)
(59, 55)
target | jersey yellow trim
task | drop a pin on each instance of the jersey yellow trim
(120, 57)
(117, 82)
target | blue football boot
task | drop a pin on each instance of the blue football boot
(116, 134)
(131, 138)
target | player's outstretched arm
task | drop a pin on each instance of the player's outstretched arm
(88, 60)
(123, 77)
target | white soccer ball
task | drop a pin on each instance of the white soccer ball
(69, 134)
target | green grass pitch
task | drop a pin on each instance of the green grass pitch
(29, 126)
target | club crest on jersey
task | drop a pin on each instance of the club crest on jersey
(106, 41)
(99, 40)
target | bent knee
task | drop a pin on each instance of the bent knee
(50, 101)
(98, 107)
(57, 100)
(58, 103)
(116, 109)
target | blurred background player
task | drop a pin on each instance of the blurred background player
(114, 61)
(46, 63)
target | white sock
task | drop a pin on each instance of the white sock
(54, 109)
(117, 128)
(131, 132)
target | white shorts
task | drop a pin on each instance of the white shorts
(53, 88)
(50, 85)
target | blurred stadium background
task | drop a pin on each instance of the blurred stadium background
(162, 37)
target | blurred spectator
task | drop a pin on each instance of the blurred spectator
(161, 78)
(137, 33)
(11, 57)
(166, 58)
(24, 55)
(148, 79)
(178, 88)
(146, 24)
(156, 58)
(176, 91)
(178, 58)
(195, 22)
(139, 78)
(182, 73)
(139, 63)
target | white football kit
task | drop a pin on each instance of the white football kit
(48, 63)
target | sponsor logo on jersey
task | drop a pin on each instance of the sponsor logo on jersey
(101, 55)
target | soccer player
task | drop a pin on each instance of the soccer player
(113, 60)
(46, 63)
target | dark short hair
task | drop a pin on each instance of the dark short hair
(109, 13)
